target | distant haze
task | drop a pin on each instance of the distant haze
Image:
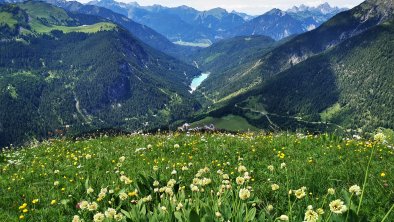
(253, 7)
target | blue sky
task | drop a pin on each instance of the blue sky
(254, 7)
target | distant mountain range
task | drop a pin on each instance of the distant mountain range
(187, 24)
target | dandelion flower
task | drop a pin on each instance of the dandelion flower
(179, 206)
(241, 169)
(53, 202)
(76, 218)
(382, 174)
(311, 216)
(300, 193)
(93, 206)
(284, 218)
(118, 217)
(35, 201)
(218, 214)
(123, 196)
(122, 159)
(379, 137)
(110, 213)
(89, 190)
(274, 187)
(337, 206)
(99, 217)
(355, 189)
(244, 194)
(240, 180)
(83, 205)
(320, 211)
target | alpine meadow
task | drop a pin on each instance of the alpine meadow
(140, 111)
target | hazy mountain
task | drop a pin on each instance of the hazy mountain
(63, 71)
(180, 23)
(279, 24)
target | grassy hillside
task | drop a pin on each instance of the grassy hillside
(350, 85)
(207, 177)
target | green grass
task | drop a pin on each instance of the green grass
(330, 112)
(55, 176)
(229, 122)
(101, 26)
(50, 13)
(7, 19)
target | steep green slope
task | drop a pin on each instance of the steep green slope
(350, 85)
(263, 67)
(57, 82)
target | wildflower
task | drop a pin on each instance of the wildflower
(23, 206)
(173, 172)
(133, 194)
(149, 146)
(225, 177)
(155, 168)
(56, 183)
(271, 168)
(156, 183)
(244, 194)
(194, 188)
(171, 183)
(21, 217)
(163, 208)
(337, 206)
(284, 218)
(99, 217)
(123, 196)
(118, 217)
(283, 165)
(35, 201)
(274, 187)
(206, 181)
(300, 193)
(147, 199)
(320, 211)
(122, 159)
(76, 218)
(56, 171)
(179, 206)
(89, 190)
(240, 180)
(331, 191)
(270, 208)
(311, 216)
(241, 169)
(25, 210)
(218, 214)
(88, 156)
(53, 202)
(176, 146)
(93, 206)
(379, 137)
(382, 174)
(355, 189)
(246, 176)
(110, 213)
(184, 168)
(83, 205)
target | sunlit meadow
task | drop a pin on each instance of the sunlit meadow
(200, 177)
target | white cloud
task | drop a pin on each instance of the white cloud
(254, 7)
